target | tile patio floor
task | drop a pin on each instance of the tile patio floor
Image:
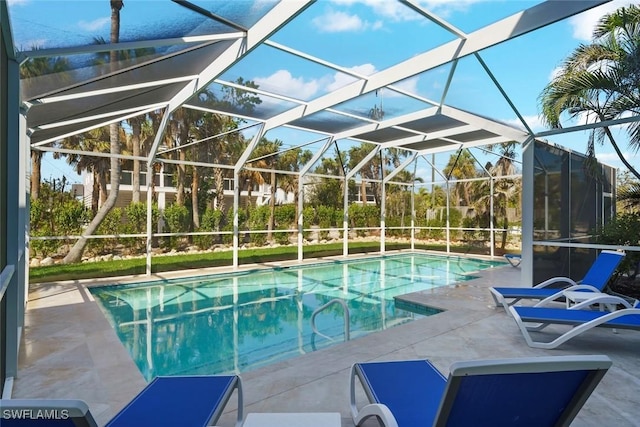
(69, 350)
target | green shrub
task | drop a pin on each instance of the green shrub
(112, 224)
(285, 216)
(228, 225)
(177, 220)
(211, 221)
(358, 218)
(623, 230)
(308, 219)
(259, 220)
(326, 219)
(136, 223)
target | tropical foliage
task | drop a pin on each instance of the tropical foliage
(600, 81)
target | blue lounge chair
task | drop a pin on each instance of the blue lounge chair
(579, 317)
(539, 391)
(595, 281)
(166, 401)
(513, 259)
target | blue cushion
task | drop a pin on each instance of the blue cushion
(411, 389)
(575, 317)
(527, 292)
(177, 401)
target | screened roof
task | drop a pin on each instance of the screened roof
(412, 96)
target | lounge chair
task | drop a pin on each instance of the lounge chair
(594, 281)
(513, 259)
(166, 401)
(580, 317)
(535, 391)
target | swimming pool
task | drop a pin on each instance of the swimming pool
(235, 322)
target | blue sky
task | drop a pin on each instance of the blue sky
(364, 36)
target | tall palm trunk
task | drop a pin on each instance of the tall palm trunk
(272, 206)
(183, 136)
(36, 177)
(95, 193)
(136, 130)
(619, 153)
(219, 184)
(194, 198)
(75, 254)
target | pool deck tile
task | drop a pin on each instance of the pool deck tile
(69, 350)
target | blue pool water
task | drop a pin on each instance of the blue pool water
(240, 321)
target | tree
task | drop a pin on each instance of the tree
(75, 254)
(369, 171)
(628, 197)
(272, 148)
(32, 68)
(292, 161)
(460, 167)
(601, 80)
(329, 191)
(504, 188)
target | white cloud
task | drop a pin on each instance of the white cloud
(612, 159)
(554, 73)
(95, 25)
(584, 23)
(444, 8)
(339, 80)
(390, 10)
(410, 85)
(534, 122)
(396, 11)
(339, 22)
(283, 79)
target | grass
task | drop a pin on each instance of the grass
(127, 267)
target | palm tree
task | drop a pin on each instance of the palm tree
(96, 140)
(461, 167)
(505, 188)
(329, 191)
(368, 171)
(271, 147)
(31, 68)
(601, 80)
(75, 254)
(292, 161)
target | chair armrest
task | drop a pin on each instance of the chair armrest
(553, 280)
(378, 410)
(560, 294)
(370, 410)
(602, 299)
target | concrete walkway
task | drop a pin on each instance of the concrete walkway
(69, 350)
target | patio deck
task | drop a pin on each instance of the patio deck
(69, 350)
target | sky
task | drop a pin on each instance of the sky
(363, 36)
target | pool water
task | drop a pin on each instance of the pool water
(235, 322)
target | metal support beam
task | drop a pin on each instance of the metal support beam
(528, 164)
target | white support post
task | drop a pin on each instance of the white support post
(528, 163)
(447, 207)
(492, 216)
(14, 294)
(236, 190)
(149, 177)
(383, 213)
(345, 219)
(300, 217)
